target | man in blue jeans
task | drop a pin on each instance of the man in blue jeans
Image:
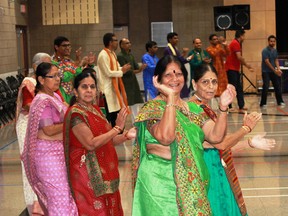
(271, 71)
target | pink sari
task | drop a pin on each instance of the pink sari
(44, 160)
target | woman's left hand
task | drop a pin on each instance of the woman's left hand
(227, 96)
(258, 141)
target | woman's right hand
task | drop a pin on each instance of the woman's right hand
(121, 117)
(162, 88)
(251, 119)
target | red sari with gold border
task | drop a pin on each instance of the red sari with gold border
(94, 182)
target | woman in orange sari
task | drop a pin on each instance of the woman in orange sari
(91, 159)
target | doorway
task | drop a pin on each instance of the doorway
(22, 50)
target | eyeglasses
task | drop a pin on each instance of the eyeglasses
(207, 82)
(85, 86)
(53, 76)
(66, 45)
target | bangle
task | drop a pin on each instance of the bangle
(171, 105)
(224, 111)
(250, 143)
(118, 129)
(247, 128)
(125, 134)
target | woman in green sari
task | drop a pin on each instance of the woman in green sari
(169, 171)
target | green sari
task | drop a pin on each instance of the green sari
(177, 186)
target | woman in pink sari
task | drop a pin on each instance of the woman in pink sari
(26, 94)
(43, 154)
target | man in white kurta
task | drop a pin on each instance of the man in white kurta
(109, 68)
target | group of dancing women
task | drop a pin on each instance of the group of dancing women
(182, 161)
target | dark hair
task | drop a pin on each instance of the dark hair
(202, 69)
(59, 40)
(211, 36)
(86, 72)
(239, 33)
(162, 65)
(42, 70)
(171, 35)
(272, 36)
(107, 38)
(150, 44)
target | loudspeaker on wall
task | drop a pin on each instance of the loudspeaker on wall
(234, 17)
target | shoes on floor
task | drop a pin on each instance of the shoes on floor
(244, 108)
(282, 104)
(242, 111)
(263, 105)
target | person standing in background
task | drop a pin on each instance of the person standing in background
(218, 52)
(129, 78)
(67, 66)
(233, 63)
(110, 78)
(200, 56)
(171, 49)
(150, 59)
(271, 71)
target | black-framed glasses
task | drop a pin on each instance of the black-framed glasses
(53, 76)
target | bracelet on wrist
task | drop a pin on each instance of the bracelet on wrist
(224, 111)
(171, 105)
(118, 129)
(247, 128)
(125, 134)
(250, 143)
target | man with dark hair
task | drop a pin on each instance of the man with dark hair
(129, 78)
(67, 66)
(150, 59)
(271, 71)
(171, 49)
(233, 63)
(219, 50)
(109, 77)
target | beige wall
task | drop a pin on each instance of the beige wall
(88, 36)
(8, 48)
(263, 24)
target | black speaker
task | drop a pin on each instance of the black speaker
(234, 17)
(241, 17)
(223, 18)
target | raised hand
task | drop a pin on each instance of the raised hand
(121, 117)
(258, 141)
(251, 119)
(162, 88)
(227, 96)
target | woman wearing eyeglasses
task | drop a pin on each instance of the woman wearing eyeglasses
(224, 194)
(43, 154)
(91, 158)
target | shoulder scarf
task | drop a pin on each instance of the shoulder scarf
(226, 155)
(120, 93)
(172, 49)
(191, 195)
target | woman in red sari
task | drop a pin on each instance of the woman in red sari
(91, 158)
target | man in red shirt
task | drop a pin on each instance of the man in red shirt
(233, 63)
